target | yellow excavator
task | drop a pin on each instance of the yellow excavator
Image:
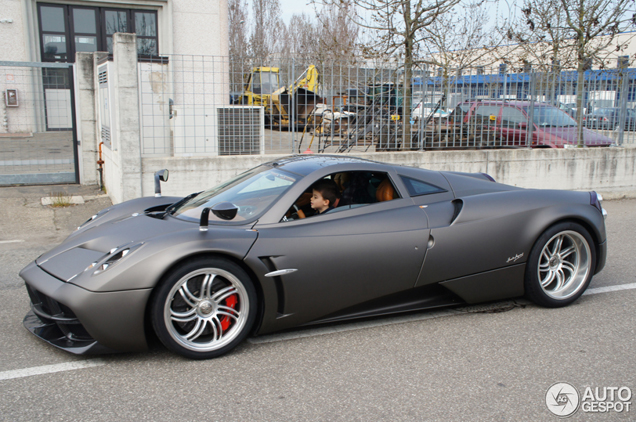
(263, 89)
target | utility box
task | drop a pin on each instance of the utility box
(11, 98)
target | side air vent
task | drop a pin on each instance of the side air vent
(458, 204)
(278, 282)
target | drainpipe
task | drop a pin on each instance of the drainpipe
(100, 162)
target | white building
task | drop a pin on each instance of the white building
(61, 111)
(52, 31)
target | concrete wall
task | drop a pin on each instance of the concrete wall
(14, 17)
(609, 171)
(122, 159)
(87, 133)
(201, 27)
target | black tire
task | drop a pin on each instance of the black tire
(560, 266)
(204, 308)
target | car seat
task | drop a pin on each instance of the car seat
(385, 191)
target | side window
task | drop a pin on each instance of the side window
(353, 189)
(418, 187)
(511, 117)
(460, 111)
(483, 114)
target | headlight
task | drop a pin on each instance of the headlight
(113, 257)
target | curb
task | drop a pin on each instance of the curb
(72, 200)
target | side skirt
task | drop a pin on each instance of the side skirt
(425, 297)
(504, 283)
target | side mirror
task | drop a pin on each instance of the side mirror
(160, 176)
(522, 125)
(223, 210)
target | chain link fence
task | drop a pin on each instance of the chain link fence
(198, 105)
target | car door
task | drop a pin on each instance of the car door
(475, 233)
(513, 126)
(343, 258)
(483, 124)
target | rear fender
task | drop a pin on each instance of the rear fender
(498, 230)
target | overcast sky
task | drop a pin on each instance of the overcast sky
(290, 7)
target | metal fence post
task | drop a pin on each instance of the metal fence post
(624, 92)
(292, 118)
(533, 93)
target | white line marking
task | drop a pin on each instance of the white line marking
(606, 289)
(312, 332)
(50, 369)
(11, 241)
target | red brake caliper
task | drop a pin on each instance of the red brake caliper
(225, 320)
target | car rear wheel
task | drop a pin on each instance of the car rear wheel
(560, 265)
(204, 308)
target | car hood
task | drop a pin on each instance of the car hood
(560, 136)
(129, 246)
(95, 245)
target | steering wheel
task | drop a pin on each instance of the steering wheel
(299, 212)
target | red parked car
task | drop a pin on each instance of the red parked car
(505, 123)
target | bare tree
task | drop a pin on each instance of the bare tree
(302, 38)
(338, 34)
(394, 28)
(549, 41)
(461, 39)
(267, 30)
(578, 33)
(238, 48)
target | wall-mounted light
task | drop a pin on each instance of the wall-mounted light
(6, 20)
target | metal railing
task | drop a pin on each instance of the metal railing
(197, 105)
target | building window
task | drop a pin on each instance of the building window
(53, 33)
(67, 29)
(146, 30)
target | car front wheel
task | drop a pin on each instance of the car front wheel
(204, 308)
(560, 265)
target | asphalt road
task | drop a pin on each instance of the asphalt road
(493, 362)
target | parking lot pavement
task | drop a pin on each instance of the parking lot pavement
(27, 228)
(492, 362)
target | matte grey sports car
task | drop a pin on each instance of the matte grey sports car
(248, 257)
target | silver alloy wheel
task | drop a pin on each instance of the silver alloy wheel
(564, 264)
(200, 313)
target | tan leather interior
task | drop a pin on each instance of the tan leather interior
(385, 191)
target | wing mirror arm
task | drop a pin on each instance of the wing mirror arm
(203, 223)
(160, 176)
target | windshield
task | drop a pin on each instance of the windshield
(551, 117)
(252, 192)
(265, 82)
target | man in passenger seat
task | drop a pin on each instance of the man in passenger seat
(324, 196)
